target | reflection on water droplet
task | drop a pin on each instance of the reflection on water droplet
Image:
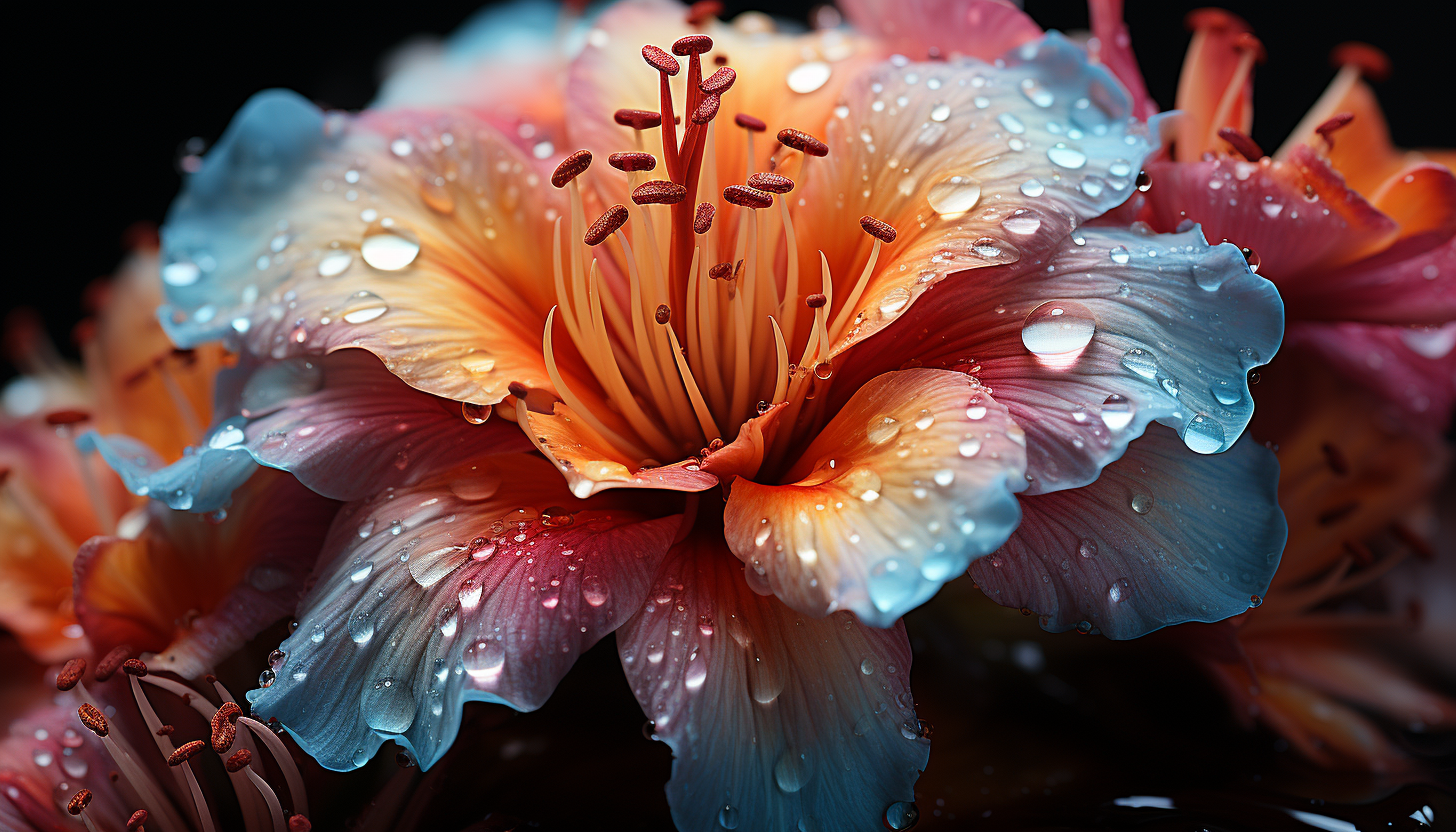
(388, 705)
(1203, 435)
(1119, 590)
(1066, 157)
(401, 147)
(1226, 392)
(1117, 412)
(940, 112)
(363, 307)
(1087, 548)
(1142, 503)
(1057, 327)
(902, 815)
(954, 195)
(883, 429)
(809, 76)
(484, 660)
(728, 817)
(389, 249)
(1255, 600)
(791, 772)
(970, 446)
(334, 264)
(1142, 362)
(1033, 187)
(894, 301)
(476, 414)
(1022, 222)
(181, 273)
(1119, 255)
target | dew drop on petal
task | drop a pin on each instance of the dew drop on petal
(728, 817)
(335, 264)
(476, 414)
(1142, 362)
(363, 307)
(1203, 435)
(390, 248)
(902, 815)
(940, 112)
(954, 195)
(809, 76)
(1065, 156)
(1033, 187)
(1117, 412)
(1119, 255)
(1142, 503)
(484, 660)
(1057, 327)
(594, 590)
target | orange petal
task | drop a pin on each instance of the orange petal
(1215, 87)
(911, 481)
(1422, 199)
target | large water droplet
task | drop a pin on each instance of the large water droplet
(361, 627)
(954, 195)
(1142, 362)
(1066, 157)
(902, 815)
(1057, 327)
(940, 112)
(1203, 435)
(809, 76)
(388, 705)
(1118, 592)
(1142, 503)
(1033, 187)
(334, 264)
(1119, 255)
(484, 660)
(1117, 412)
(361, 570)
(476, 414)
(363, 307)
(1023, 223)
(894, 301)
(791, 772)
(728, 817)
(389, 248)
(883, 429)
(1227, 392)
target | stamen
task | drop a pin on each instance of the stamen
(93, 719)
(750, 123)
(707, 109)
(633, 161)
(224, 727)
(877, 228)
(274, 808)
(803, 142)
(747, 197)
(703, 11)
(638, 119)
(720, 271)
(883, 233)
(659, 192)
(663, 314)
(134, 823)
(771, 182)
(815, 301)
(299, 823)
(111, 662)
(1371, 62)
(238, 760)
(1327, 129)
(284, 760)
(703, 218)
(70, 674)
(134, 667)
(185, 752)
(719, 82)
(1245, 146)
(610, 220)
(660, 60)
(571, 167)
(690, 45)
(79, 801)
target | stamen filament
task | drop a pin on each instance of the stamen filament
(574, 402)
(285, 762)
(274, 807)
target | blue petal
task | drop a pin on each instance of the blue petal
(203, 480)
(1164, 536)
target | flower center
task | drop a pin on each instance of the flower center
(717, 326)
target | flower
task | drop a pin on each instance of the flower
(531, 382)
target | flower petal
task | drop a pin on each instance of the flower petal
(194, 589)
(974, 164)
(472, 585)
(1111, 46)
(910, 481)
(423, 239)
(1215, 85)
(1298, 216)
(985, 29)
(45, 759)
(1163, 536)
(1151, 327)
(1413, 368)
(775, 721)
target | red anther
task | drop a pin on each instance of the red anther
(771, 182)
(1245, 146)
(660, 60)
(228, 711)
(692, 45)
(111, 662)
(720, 271)
(1213, 19)
(209, 678)
(815, 301)
(1371, 62)
(79, 801)
(719, 82)
(663, 313)
(720, 60)
(702, 11)
(71, 673)
(186, 752)
(188, 357)
(707, 109)
(748, 122)
(223, 733)
(1335, 458)
(239, 760)
(92, 718)
(1328, 127)
(134, 667)
(658, 192)
(747, 197)
(610, 220)
(1246, 42)
(299, 823)
(638, 119)
(165, 730)
(631, 161)
(571, 167)
(703, 218)
(803, 142)
(518, 389)
(134, 823)
(877, 228)
(66, 417)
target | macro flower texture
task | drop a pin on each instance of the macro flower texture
(731, 340)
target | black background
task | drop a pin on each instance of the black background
(107, 96)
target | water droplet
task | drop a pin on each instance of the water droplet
(476, 414)
(1252, 258)
(1117, 412)
(1036, 93)
(1255, 600)
(1142, 362)
(316, 635)
(1011, 123)
(902, 815)
(1057, 327)
(970, 446)
(1144, 181)
(894, 301)
(1033, 188)
(389, 248)
(867, 667)
(1066, 157)
(1118, 592)
(791, 772)
(1119, 255)
(940, 112)
(728, 817)
(1087, 548)
(401, 147)
(944, 477)
(265, 679)
(361, 627)
(181, 273)
(389, 705)
(1142, 503)
(363, 307)
(883, 429)
(1203, 435)
(484, 660)
(42, 757)
(1023, 223)
(954, 195)
(594, 590)
(924, 419)
(361, 570)
(470, 593)
(334, 264)
(809, 76)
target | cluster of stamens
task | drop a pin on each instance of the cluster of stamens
(717, 326)
(237, 749)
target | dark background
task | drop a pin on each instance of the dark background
(108, 96)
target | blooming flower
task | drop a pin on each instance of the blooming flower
(532, 384)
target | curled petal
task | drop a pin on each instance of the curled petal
(1116, 329)
(194, 589)
(1163, 536)
(776, 721)
(472, 585)
(592, 463)
(973, 164)
(911, 481)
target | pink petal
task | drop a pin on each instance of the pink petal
(984, 29)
